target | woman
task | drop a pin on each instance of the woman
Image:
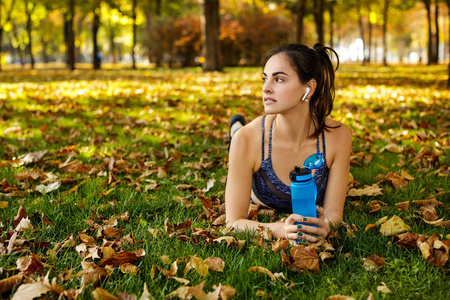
(298, 95)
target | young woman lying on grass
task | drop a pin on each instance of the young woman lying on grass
(298, 94)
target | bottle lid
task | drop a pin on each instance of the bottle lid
(300, 174)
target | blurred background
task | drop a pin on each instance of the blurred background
(216, 33)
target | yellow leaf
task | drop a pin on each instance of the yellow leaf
(101, 294)
(4, 204)
(394, 226)
(199, 265)
(262, 270)
(384, 289)
(372, 190)
(128, 268)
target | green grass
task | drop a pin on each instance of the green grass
(143, 117)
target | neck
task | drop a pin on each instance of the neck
(294, 129)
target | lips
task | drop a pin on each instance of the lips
(268, 100)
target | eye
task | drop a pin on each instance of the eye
(264, 79)
(279, 79)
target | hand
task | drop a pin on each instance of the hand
(304, 231)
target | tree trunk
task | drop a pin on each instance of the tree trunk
(133, 16)
(385, 20)
(70, 36)
(112, 45)
(319, 8)
(362, 34)
(430, 34)
(44, 48)
(331, 11)
(210, 36)
(30, 39)
(8, 17)
(369, 53)
(301, 6)
(436, 35)
(96, 53)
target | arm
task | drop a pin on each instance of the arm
(243, 151)
(333, 207)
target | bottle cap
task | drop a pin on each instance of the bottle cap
(300, 174)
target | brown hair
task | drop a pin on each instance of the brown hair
(312, 63)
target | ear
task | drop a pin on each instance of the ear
(312, 84)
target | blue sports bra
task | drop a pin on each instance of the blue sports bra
(271, 191)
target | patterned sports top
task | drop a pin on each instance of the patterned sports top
(271, 191)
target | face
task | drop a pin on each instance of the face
(282, 90)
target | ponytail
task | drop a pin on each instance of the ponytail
(321, 102)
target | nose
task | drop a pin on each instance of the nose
(267, 88)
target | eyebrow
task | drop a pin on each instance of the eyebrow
(276, 73)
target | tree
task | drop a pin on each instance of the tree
(5, 10)
(319, 9)
(301, 7)
(385, 21)
(448, 9)
(433, 39)
(69, 35)
(210, 22)
(30, 6)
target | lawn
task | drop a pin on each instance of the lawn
(112, 185)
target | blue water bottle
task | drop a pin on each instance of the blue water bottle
(303, 193)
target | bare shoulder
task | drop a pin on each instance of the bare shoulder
(339, 136)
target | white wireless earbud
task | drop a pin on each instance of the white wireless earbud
(306, 94)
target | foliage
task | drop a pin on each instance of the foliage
(112, 184)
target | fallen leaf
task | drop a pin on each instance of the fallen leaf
(215, 263)
(394, 226)
(373, 263)
(383, 289)
(304, 258)
(10, 283)
(262, 270)
(339, 297)
(407, 240)
(199, 265)
(119, 258)
(32, 157)
(45, 189)
(146, 295)
(198, 293)
(30, 264)
(21, 214)
(128, 268)
(402, 206)
(373, 190)
(4, 204)
(101, 294)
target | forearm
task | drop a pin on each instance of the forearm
(276, 228)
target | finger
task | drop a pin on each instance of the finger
(312, 230)
(320, 211)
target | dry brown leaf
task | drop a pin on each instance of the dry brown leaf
(304, 258)
(373, 263)
(101, 294)
(197, 292)
(429, 201)
(4, 204)
(128, 268)
(30, 264)
(180, 293)
(339, 297)
(262, 270)
(10, 283)
(215, 263)
(429, 212)
(199, 265)
(373, 190)
(397, 181)
(146, 295)
(119, 258)
(86, 239)
(21, 214)
(407, 240)
(402, 206)
(394, 226)
(370, 226)
(226, 292)
(279, 245)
